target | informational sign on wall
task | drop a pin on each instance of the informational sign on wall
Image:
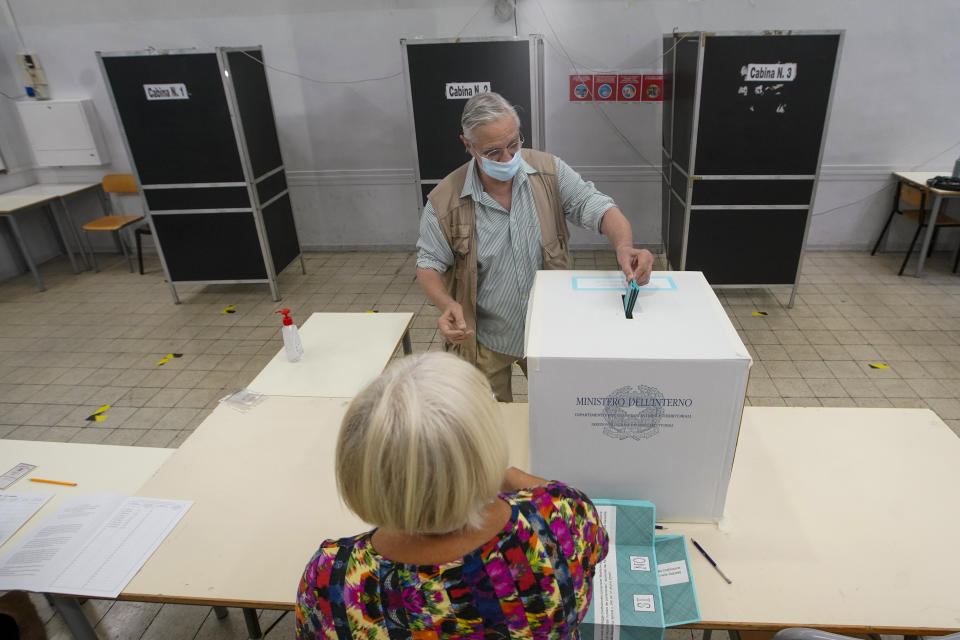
(465, 90)
(176, 91)
(616, 87)
(581, 88)
(628, 88)
(605, 87)
(652, 88)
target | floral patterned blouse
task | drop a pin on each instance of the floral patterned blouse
(532, 580)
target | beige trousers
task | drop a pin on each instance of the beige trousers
(498, 368)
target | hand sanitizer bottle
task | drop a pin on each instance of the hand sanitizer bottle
(291, 338)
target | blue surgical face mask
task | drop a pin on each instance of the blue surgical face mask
(502, 171)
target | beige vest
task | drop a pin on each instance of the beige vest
(456, 217)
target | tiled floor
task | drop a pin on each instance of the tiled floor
(96, 339)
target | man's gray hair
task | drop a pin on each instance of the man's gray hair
(482, 109)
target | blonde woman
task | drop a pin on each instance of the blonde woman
(461, 549)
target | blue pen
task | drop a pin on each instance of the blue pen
(710, 560)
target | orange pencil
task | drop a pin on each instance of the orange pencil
(67, 484)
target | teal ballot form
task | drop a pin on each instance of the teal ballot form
(630, 297)
(636, 592)
(676, 582)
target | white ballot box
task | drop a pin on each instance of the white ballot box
(646, 408)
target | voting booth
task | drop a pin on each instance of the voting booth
(200, 131)
(646, 408)
(745, 117)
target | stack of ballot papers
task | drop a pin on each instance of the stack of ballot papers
(91, 545)
(644, 584)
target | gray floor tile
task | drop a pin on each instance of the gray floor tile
(127, 620)
(91, 435)
(27, 432)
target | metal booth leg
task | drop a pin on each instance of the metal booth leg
(253, 624)
(69, 609)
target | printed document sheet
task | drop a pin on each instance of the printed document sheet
(92, 545)
(16, 509)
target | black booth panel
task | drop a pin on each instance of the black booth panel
(504, 64)
(425, 190)
(773, 133)
(176, 141)
(256, 113)
(197, 198)
(281, 232)
(684, 99)
(764, 192)
(678, 181)
(210, 246)
(665, 212)
(674, 232)
(269, 187)
(752, 246)
(664, 197)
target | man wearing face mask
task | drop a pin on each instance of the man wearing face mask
(491, 224)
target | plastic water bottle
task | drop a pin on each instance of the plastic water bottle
(291, 337)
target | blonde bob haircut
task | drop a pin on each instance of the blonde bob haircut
(421, 449)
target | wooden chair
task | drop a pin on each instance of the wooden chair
(113, 183)
(914, 197)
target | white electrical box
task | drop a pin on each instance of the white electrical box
(63, 132)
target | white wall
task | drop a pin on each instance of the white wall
(347, 146)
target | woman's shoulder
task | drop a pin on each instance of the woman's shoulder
(553, 493)
(326, 555)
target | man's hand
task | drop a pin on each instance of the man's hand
(636, 264)
(452, 325)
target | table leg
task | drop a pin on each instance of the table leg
(64, 243)
(928, 233)
(253, 624)
(87, 262)
(407, 347)
(23, 249)
(69, 609)
(220, 612)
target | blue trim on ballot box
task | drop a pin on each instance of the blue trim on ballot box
(658, 283)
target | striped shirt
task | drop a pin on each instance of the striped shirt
(509, 248)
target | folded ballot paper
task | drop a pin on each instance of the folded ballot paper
(644, 585)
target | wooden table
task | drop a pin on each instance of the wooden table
(18, 201)
(919, 179)
(840, 519)
(342, 352)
